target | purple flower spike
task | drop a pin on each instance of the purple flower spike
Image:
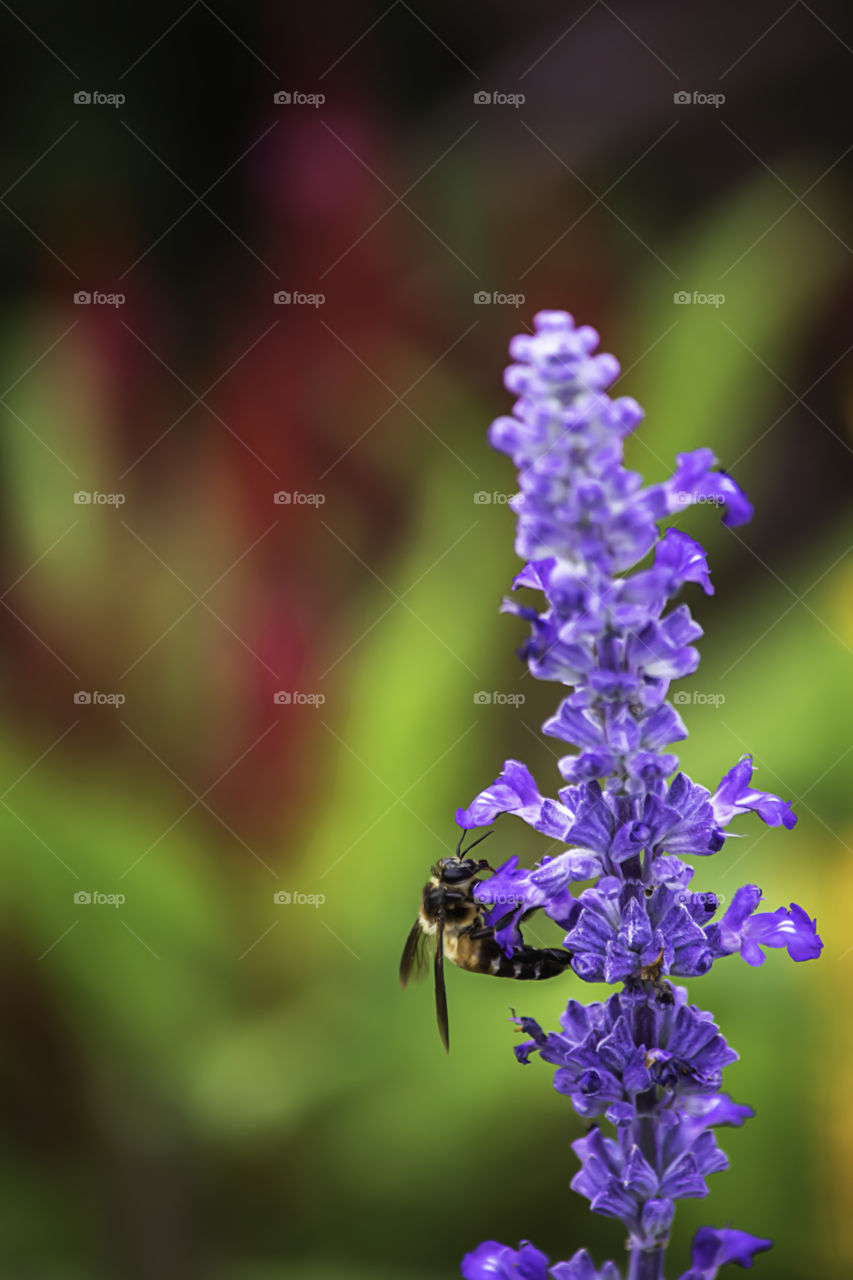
(644, 1064)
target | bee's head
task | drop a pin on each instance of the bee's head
(458, 870)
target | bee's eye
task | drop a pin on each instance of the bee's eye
(453, 872)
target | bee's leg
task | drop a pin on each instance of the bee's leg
(477, 929)
(501, 920)
(525, 915)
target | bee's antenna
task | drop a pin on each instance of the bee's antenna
(479, 840)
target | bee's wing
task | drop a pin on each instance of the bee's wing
(440, 992)
(414, 961)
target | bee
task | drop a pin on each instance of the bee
(451, 916)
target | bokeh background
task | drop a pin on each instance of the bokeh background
(202, 1081)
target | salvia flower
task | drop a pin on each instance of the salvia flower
(610, 630)
(606, 1055)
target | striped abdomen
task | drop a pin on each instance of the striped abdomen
(484, 955)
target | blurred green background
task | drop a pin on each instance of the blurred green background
(202, 1081)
